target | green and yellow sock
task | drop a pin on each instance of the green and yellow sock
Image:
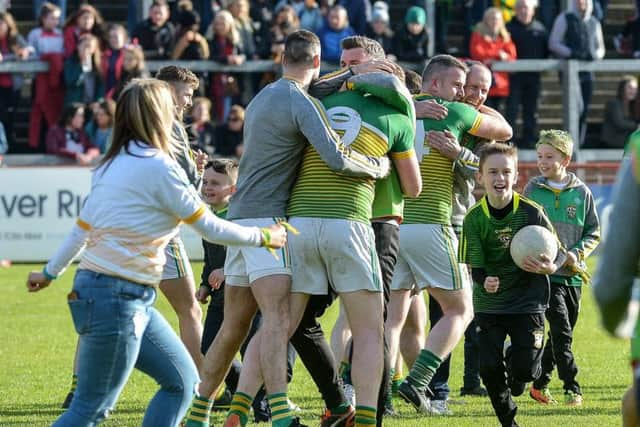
(281, 415)
(240, 406)
(396, 380)
(345, 372)
(199, 412)
(365, 416)
(74, 383)
(423, 370)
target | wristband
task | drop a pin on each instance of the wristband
(47, 275)
(266, 237)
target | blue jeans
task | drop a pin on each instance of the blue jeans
(119, 329)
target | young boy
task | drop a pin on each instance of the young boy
(507, 300)
(571, 208)
(218, 185)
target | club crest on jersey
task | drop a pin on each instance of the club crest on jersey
(571, 212)
(504, 236)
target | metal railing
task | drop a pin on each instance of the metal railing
(571, 97)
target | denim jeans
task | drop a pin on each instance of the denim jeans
(119, 329)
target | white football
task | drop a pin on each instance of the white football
(533, 240)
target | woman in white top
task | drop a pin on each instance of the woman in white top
(139, 196)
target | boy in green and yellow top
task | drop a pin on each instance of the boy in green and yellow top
(571, 208)
(507, 299)
(427, 223)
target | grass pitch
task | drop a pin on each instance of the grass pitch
(38, 344)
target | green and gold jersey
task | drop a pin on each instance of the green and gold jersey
(368, 126)
(434, 204)
(485, 244)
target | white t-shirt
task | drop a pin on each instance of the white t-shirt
(136, 204)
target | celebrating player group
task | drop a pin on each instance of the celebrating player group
(357, 186)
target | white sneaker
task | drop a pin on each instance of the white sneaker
(349, 394)
(440, 407)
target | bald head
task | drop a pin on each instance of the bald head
(477, 85)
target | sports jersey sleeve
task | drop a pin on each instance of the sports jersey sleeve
(618, 262)
(590, 231)
(223, 232)
(405, 134)
(467, 163)
(542, 220)
(470, 248)
(311, 119)
(329, 83)
(468, 119)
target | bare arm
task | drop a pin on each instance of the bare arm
(408, 170)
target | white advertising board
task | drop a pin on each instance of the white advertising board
(38, 207)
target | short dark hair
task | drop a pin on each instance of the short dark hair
(413, 81)
(68, 113)
(370, 46)
(300, 47)
(161, 3)
(175, 74)
(439, 63)
(228, 167)
(497, 148)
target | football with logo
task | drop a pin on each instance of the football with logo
(533, 240)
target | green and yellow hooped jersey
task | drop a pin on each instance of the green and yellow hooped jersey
(435, 203)
(366, 125)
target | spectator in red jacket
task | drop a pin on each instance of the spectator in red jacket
(490, 41)
(12, 47)
(113, 56)
(47, 43)
(85, 20)
(68, 139)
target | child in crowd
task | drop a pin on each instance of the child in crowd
(12, 47)
(86, 20)
(507, 300)
(101, 125)
(83, 77)
(132, 68)
(47, 43)
(113, 56)
(411, 42)
(68, 138)
(201, 127)
(572, 210)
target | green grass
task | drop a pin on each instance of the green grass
(38, 342)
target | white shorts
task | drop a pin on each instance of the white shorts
(428, 258)
(335, 252)
(245, 265)
(176, 264)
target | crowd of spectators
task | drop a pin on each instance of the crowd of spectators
(91, 60)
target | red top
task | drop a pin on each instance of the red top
(486, 50)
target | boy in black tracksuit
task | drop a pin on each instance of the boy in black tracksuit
(507, 300)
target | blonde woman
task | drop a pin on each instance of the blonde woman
(123, 227)
(490, 42)
(226, 47)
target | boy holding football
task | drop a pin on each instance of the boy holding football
(507, 300)
(571, 208)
